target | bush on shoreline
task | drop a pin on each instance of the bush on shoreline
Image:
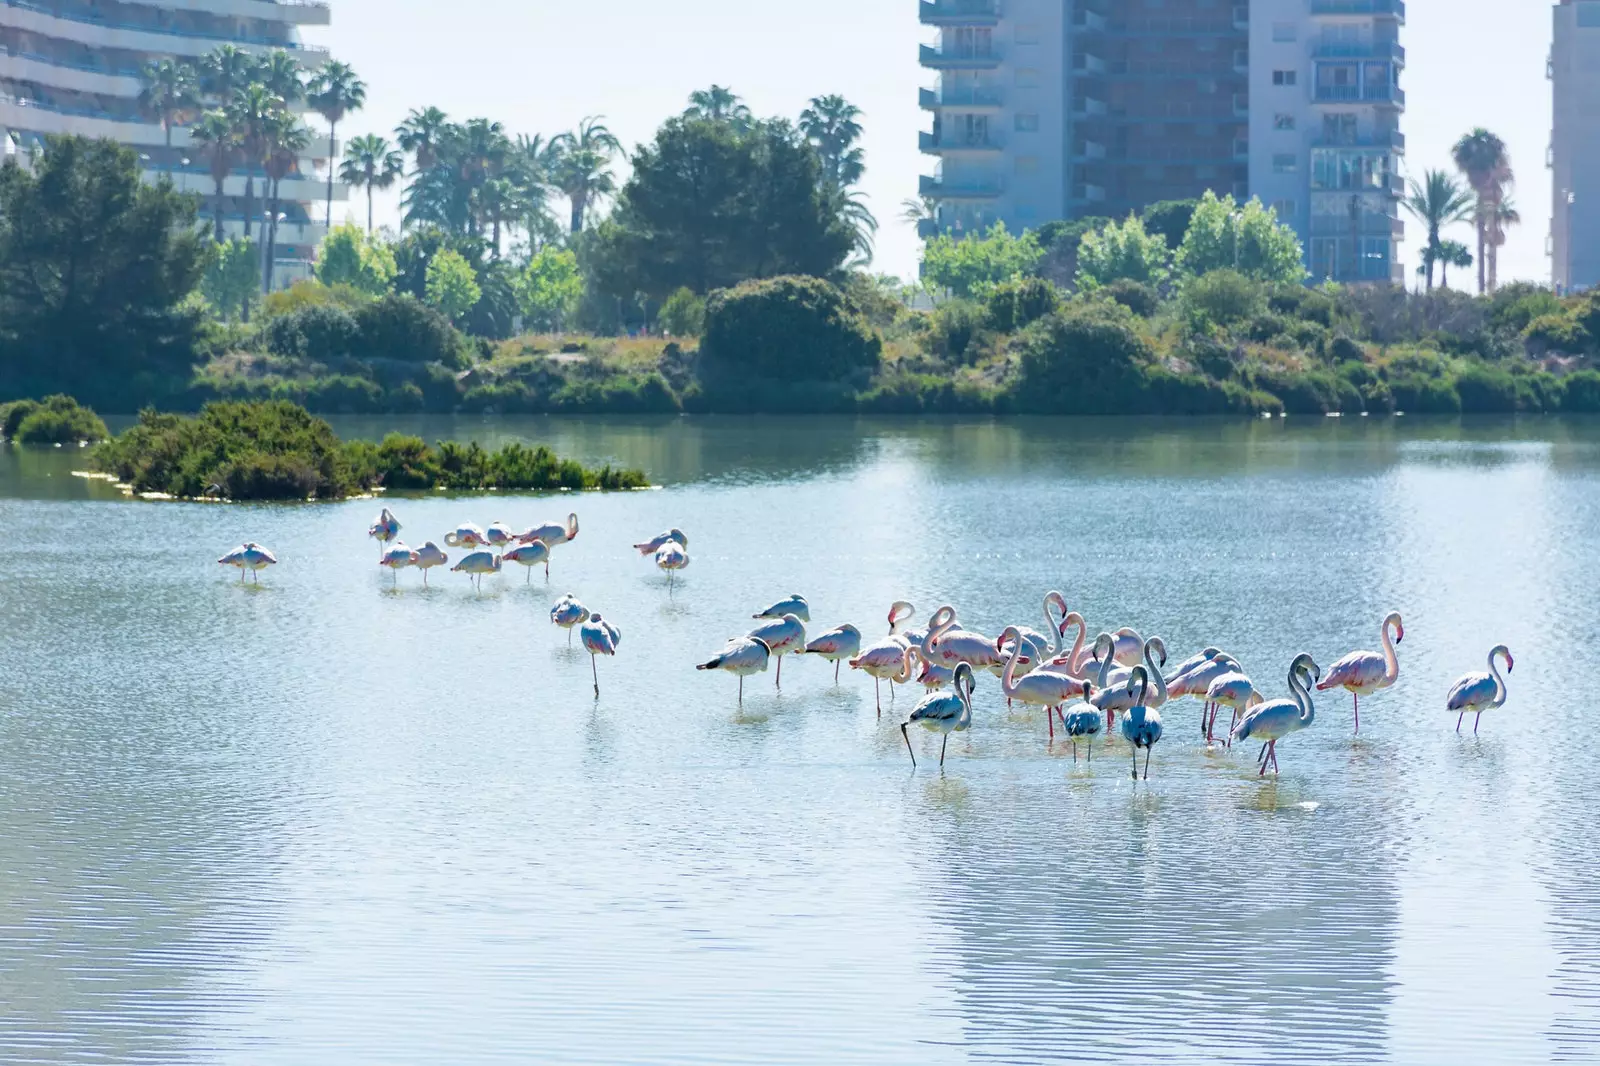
(53, 420)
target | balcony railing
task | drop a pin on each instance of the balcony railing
(1383, 8)
(960, 12)
(939, 59)
(1391, 50)
(970, 189)
(67, 64)
(933, 99)
(1366, 225)
(934, 145)
(1089, 150)
(1335, 94)
(92, 17)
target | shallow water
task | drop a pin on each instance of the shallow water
(330, 820)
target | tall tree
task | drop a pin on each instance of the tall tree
(1505, 216)
(335, 92)
(1436, 202)
(717, 104)
(226, 70)
(530, 168)
(916, 210)
(831, 127)
(371, 163)
(420, 135)
(254, 111)
(582, 168)
(217, 136)
(1481, 157)
(280, 72)
(286, 138)
(1452, 254)
(169, 92)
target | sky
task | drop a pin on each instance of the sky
(540, 66)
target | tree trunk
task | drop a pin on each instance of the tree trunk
(495, 237)
(216, 212)
(578, 199)
(1482, 279)
(327, 220)
(369, 209)
(268, 270)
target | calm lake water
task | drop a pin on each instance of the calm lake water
(330, 821)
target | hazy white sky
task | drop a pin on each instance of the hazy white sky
(539, 66)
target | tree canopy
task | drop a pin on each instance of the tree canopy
(1224, 235)
(969, 266)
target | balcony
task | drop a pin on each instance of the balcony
(1088, 21)
(938, 59)
(931, 144)
(1086, 107)
(962, 189)
(1241, 17)
(1390, 50)
(966, 99)
(928, 228)
(960, 12)
(1351, 94)
(1395, 9)
(90, 26)
(1366, 226)
(1093, 194)
(1088, 152)
(1083, 63)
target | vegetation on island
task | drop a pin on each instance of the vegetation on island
(278, 451)
(53, 420)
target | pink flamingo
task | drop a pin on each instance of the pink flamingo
(838, 643)
(886, 660)
(1046, 687)
(1477, 693)
(1364, 672)
(946, 645)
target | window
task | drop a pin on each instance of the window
(1206, 86)
(1284, 209)
(1339, 127)
(1027, 164)
(1324, 257)
(1027, 78)
(1027, 33)
(1283, 163)
(1285, 77)
(1027, 123)
(1284, 31)
(1281, 121)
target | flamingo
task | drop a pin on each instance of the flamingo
(655, 543)
(385, 529)
(741, 656)
(1045, 688)
(1364, 672)
(900, 613)
(943, 712)
(948, 645)
(838, 643)
(499, 535)
(1141, 726)
(932, 676)
(1271, 722)
(795, 605)
(1075, 655)
(1127, 649)
(599, 637)
(1197, 682)
(671, 557)
(530, 555)
(552, 533)
(1235, 691)
(429, 556)
(568, 612)
(782, 636)
(1113, 693)
(1480, 692)
(467, 536)
(476, 565)
(249, 557)
(1080, 719)
(889, 659)
(397, 558)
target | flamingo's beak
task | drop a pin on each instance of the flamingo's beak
(1511, 664)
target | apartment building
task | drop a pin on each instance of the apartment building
(73, 66)
(1575, 146)
(1049, 109)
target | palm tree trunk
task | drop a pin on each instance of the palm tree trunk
(166, 127)
(327, 220)
(578, 203)
(216, 212)
(1482, 279)
(1432, 253)
(495, 237)
(369, 209)
(272, 242)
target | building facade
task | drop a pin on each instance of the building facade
(73, 66)
(1575, 146)
(1048, 109)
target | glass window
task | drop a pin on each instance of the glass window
(1324, 257)
(1285, 77)
(1027, 78)
(1027, 123)
(1284, 163)
(1284, 209)
(1282, 121)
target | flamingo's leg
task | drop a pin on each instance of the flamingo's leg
(1051, 722)
(1356, 697)
(1148, 748)
(1134, 751)
(779, 682)
(596, 672)
(942, 745)
(1459, 719)
(1475, 721)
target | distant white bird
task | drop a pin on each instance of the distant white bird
(1363, 672)
(385, 529)
(886, 660)
(783, 636)
(467, 536)
(1081, 720)
(671, 557)
(429, 556)
(1141, 726)
(838, 643)
(653, 545)
(741, 656)
(568, 612)
(397, 557)
(942, 712)
(476, 565)
(250, 558)
(530, 555)
(1271, 722)
(795, 605)
(552, 533)
(1196, 681)
(499, 535)
(599, 637)
(1476, 693)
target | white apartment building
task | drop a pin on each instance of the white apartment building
(1575, 146)
(73, 66)
(1047, 109)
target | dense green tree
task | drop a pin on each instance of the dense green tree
(969, 266)
(683, 314)
(1247, 238)
(1089, 358)
(718, 104)
(788, 329)
(231, 279)
(350, 257)
(548, 289)
(452, 284)
(94, 269)
(1122, 251)
(1169, 219)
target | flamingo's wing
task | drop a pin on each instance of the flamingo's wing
(1471, 690)
(1357, 668)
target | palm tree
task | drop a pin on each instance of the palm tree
(280, 73)
(831, 127)
(420, 134)
(286, 137)
(719, 104)
(1505, 215)
(168, 94)
(583, 166)
(1481, 156)
(217, 137)
(226, 70)
(919, 209)
(253, 111)
(1438, 201)
(1452, 254)
(370, 161)
(529, 169)
(334, 92)
(497, 200)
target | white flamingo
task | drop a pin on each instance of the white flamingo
(671, 558)
(476, 565)
(795, 605)
(552, 533)
(1127, 650)
(469, 536)
(1476, 693)
(1271, 722)
(886, 660)
(397, 557)
(1141, 726)
(429, 556)
(943, 712)
(1362, 673)
(385, 529)
(598, 637)
(1113, 693)
(947, 645)
(1196, 682)
(931, 676)
(1081, 721)
(568, 612)
(741, 656)
(499, 535)
(530, 555)
(783, 636)
(837, 644)
(655, 543)
(1236, 692)
(1044, 687)
(251, 558)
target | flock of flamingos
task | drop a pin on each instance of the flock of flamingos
(1081, 687)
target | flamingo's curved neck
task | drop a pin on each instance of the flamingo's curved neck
(905, 665)
(963, 683)
(1105, 664)
(1499, 682)
(1052, 626)
(1391, 661)
(1008, 683)
(943, 620)
(1155, 673)
(1302, 695)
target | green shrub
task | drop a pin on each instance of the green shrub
(56, 420)
(406, 329)
(788, 329)
(1418, 394)
(1486, 390)
(1085, 359)
(1015, 303)
(1312, 393)
(1556, 333)
(1582, 392)
(952, 327)
(1343, 349)
(12, 414)
(1223, 298)
(344, 394)
(1143, 300)
(322, 332)
(684, 314)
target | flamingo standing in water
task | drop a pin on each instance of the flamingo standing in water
(429, 556)
(1364, 672)
(947, 644)
(499, 535)
(671, 558)
(530, 555)
(1127, 649)
(1113, 693)
(782, 635)
(250, 558)
(385, 529)
(467, 536)
(1476, 693)
(1081, 719)
(1197, 682)
(655, 543)
(599, 637)
(888, 659)
(476, 565)
(552, 533)
(568, 612)
(741, 656)
(930, 675)
(1236, 692)
(943, 712)
(1046, 687)
(1141, 726)
(795, 605)
(1271, 722)
(397, 558)
(838, 643)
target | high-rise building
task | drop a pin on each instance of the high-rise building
(1575, 146)
(1048, 109)
(73, 66)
